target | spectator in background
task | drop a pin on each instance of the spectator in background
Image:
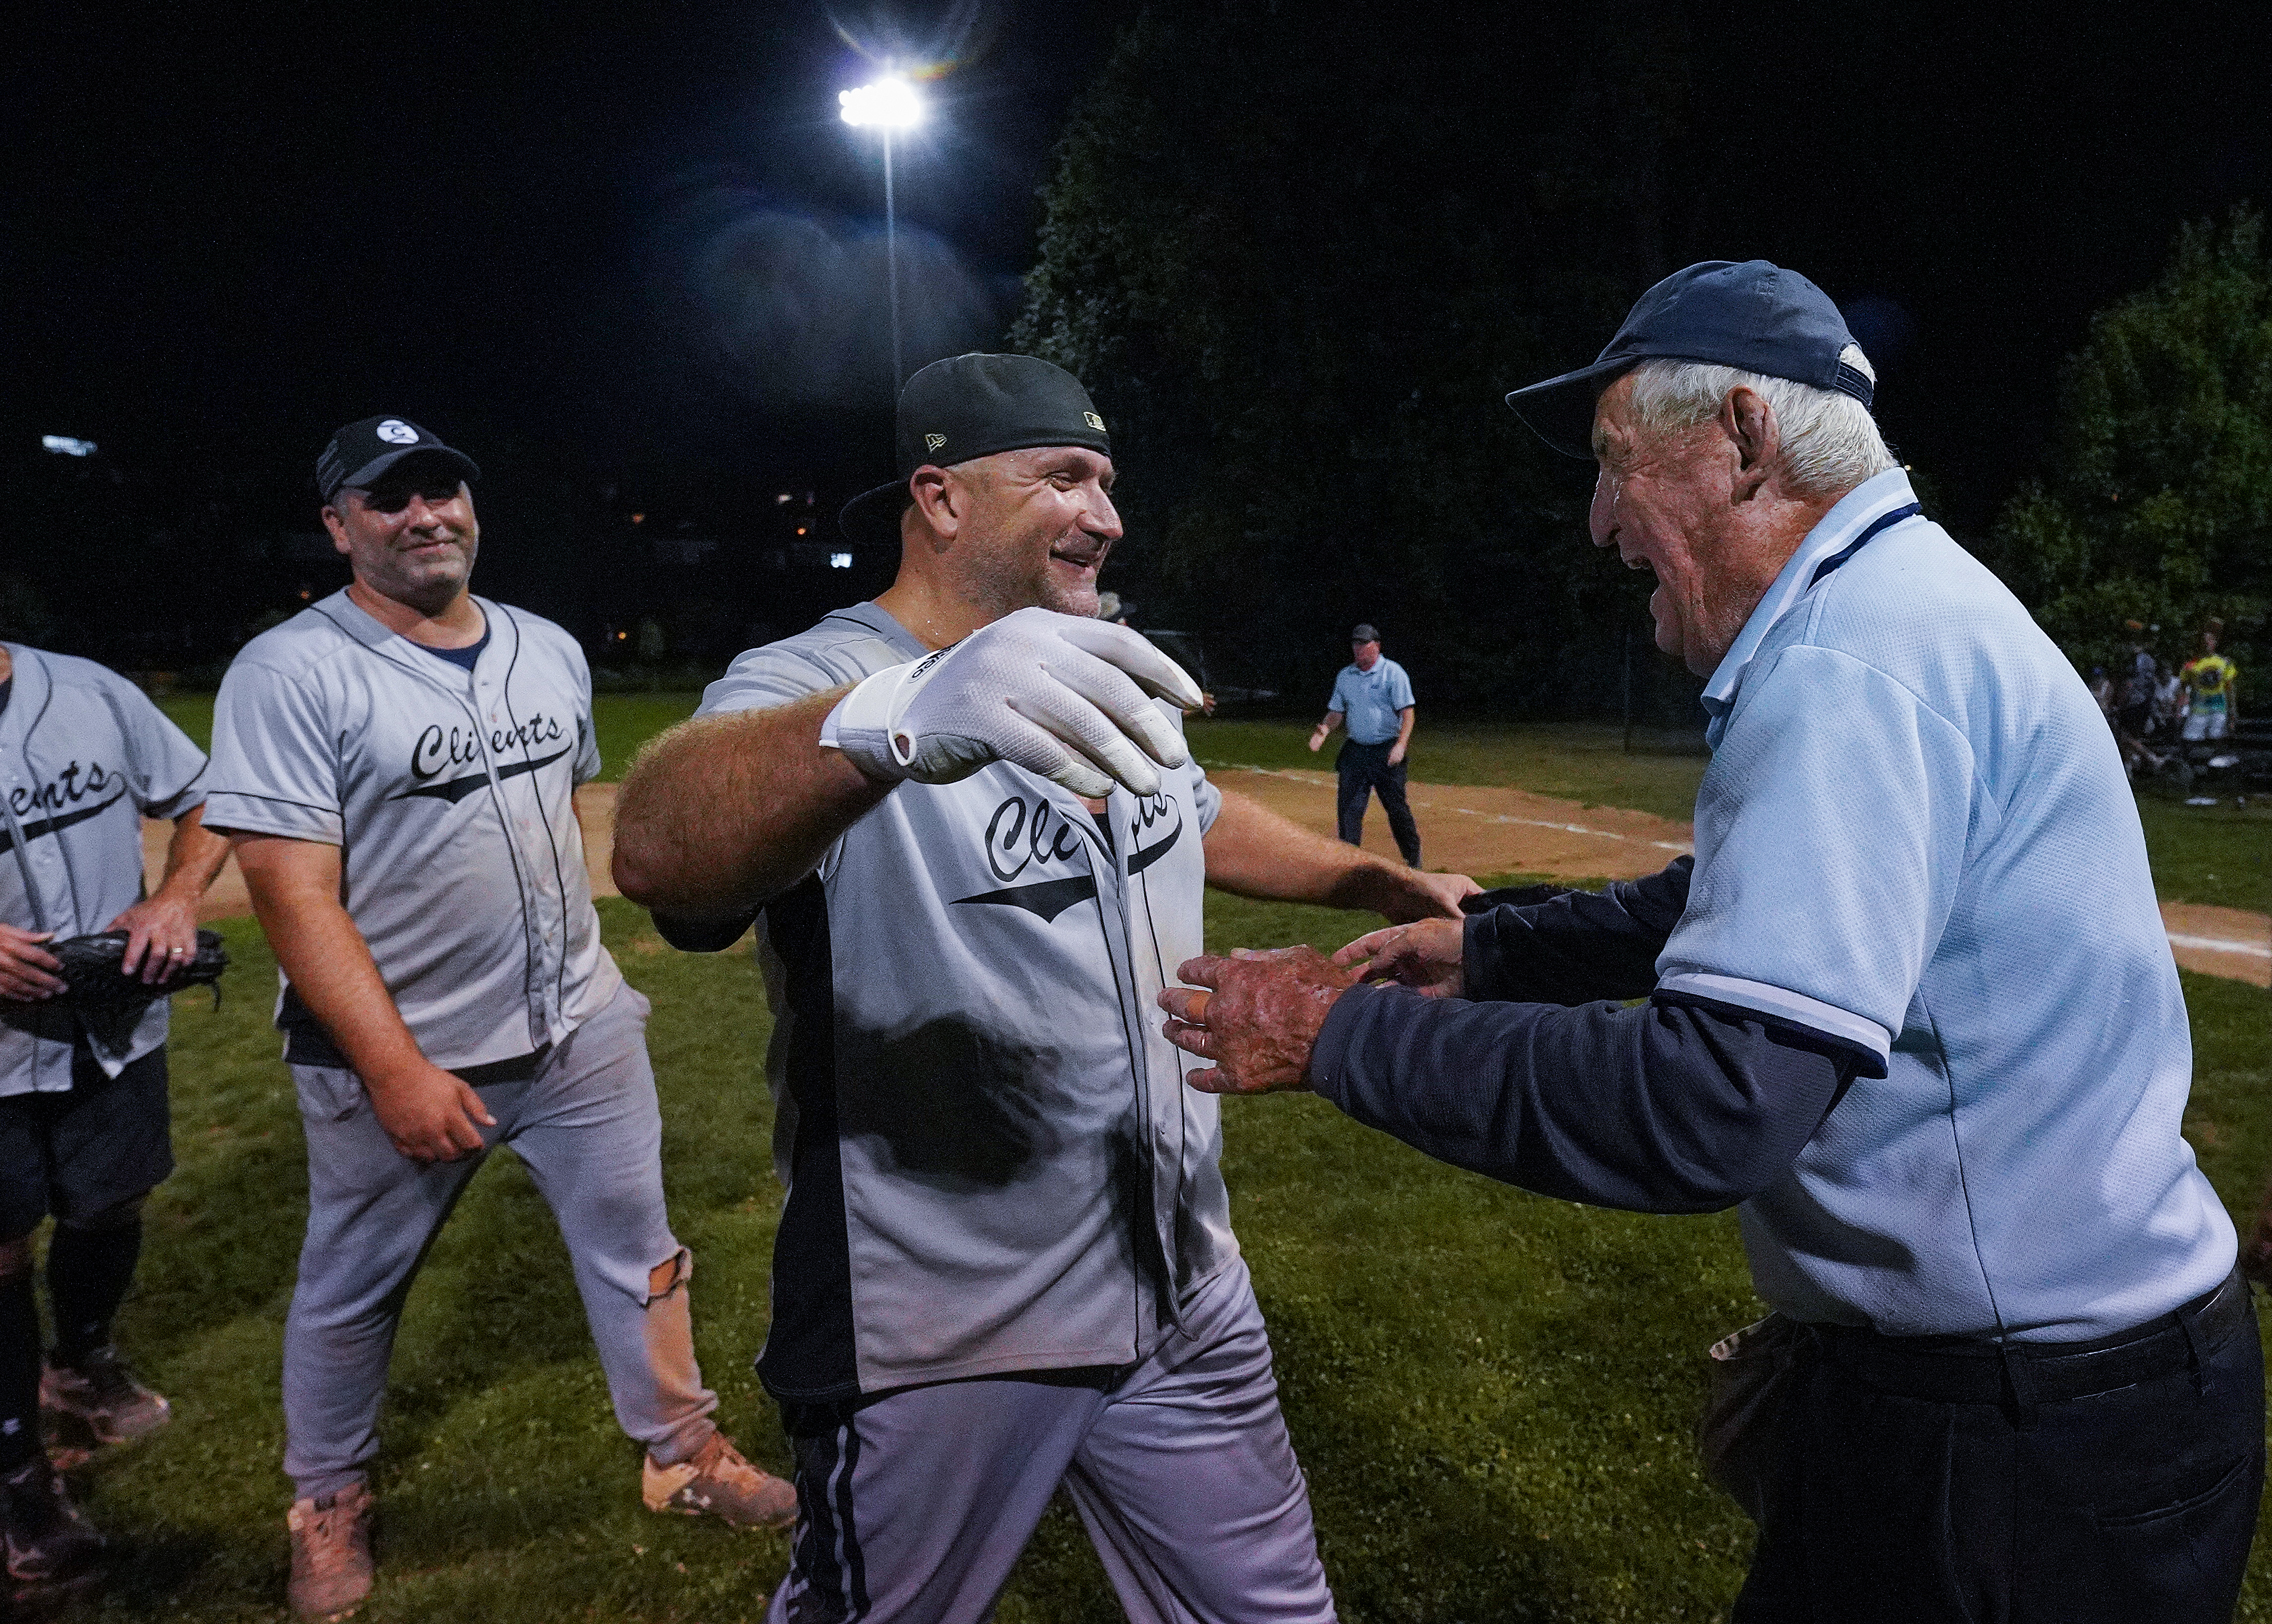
(2134, 717)
(1375, 696)
(2169, 706)
(2212, 684)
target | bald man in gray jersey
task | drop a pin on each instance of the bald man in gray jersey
(397, 764)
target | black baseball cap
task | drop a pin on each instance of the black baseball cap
(975, 406)
(1365, 633)
(1752, 315)
(360, 453)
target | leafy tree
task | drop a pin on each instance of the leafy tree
(1299, 254)
(2159, 504)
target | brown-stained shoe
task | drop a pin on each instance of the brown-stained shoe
(717, 1482)
(331, 1553)
(47, 1537)
(100, 1391)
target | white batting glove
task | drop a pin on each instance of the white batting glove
(1060, 695)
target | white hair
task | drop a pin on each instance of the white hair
(1830, 442)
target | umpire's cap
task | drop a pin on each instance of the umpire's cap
(975, 406)
(1752, 315)
(362, 451)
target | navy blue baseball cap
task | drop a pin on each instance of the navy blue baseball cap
(1752, 315)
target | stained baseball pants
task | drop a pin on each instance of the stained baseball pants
(913, 1507)
(1363, 771)
(587, 1129)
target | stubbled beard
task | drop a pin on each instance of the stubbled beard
(1001, 585)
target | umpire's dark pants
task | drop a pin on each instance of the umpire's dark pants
(1364, 768)
(2135, 1502)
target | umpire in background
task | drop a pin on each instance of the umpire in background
(1376, 696)
(1916, 1014)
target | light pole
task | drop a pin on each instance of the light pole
(890, 104)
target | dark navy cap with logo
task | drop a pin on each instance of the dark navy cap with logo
(975, 406)
(1754, 316)
(360, 453)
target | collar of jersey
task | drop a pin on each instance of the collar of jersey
(1856, 512)
(874, 617)
(367, 629)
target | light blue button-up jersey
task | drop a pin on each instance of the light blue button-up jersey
(1371, 700)
(1916, 835)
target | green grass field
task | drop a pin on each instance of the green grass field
(1492, 1392)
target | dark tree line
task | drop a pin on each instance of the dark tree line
(1300, 253)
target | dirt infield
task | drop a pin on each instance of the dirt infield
(1472, 830)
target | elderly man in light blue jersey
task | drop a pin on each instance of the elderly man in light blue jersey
(1911, 1007)
(1376, 696)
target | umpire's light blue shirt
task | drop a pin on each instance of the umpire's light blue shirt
(1916, 835)
(1371, 700)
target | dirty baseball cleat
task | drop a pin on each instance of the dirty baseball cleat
(718, 1482)
(100, 1391)
(48, 1538)
(331, 1553)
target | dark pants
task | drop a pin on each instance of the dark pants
(2123, 1505)
(1363, 769)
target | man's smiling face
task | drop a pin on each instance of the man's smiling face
(1654, 501)
(412, 537)
(1041, 525)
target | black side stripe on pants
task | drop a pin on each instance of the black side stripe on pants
(828, 1559)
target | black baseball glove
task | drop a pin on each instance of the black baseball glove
(108, 1002)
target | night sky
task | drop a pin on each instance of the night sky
(538, 229)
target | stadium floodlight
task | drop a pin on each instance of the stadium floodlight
(890, 104)
(65, 446)
(840, 561)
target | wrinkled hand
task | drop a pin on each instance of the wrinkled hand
(1424, 896)
(25, 967)
(161, 934)
(430, 1114)
(1060, 695)
(1430, 956)
(1259, 1019)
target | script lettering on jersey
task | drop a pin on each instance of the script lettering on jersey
(1023, 833)
(67, 787)
(1151, 810)
(439, 748)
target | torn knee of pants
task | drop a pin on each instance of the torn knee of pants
(669, 1275)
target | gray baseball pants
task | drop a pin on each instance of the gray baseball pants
(587, 1129)
(914, 1506)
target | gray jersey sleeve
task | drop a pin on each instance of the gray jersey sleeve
(165, 772)
(274, 770)
(838, 652)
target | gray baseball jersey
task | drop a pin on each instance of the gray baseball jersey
(993, 1164)
(450, 795)
(84, 755)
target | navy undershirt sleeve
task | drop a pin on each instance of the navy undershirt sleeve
(1669, 1106)
(1577, 947)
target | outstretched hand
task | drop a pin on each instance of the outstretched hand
(1257, 1018)
(1430, 956)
